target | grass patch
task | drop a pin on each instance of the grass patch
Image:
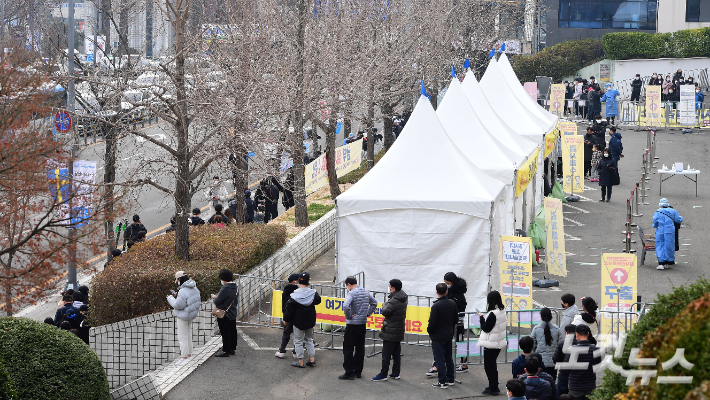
(358, 173)
(316, 210)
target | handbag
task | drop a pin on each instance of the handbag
(615, 178)
(220, 313)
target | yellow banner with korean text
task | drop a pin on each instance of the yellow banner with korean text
(573, 163)
(557, 100)
(516, 277)
(526, 173)
(555, 256)
(330, 311)
(347, 159)
(653, 105)
(568, 128)
(551, 141)
(619, 289)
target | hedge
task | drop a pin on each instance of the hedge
(558, 61)
(689, 330)
(45, 362)
(7, 392)
(666, 307)
(638, 45)
(138, 282)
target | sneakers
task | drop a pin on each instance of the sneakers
(432, 372)
(297, 365)
(279, 354)
(460, 369)
(180, 361)
(439, 385)
(395, 377)
(379, 378)
(660, 267)
(488, 391)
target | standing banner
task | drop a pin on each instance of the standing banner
(84, 180)
(551, 141)
(526, 173)
(316, 175)
(619, 289)
(557, 100)
(686, 107)
(531, 89)
(347, 159)
(572, 163)
(653, 105)
(555, 256)
(568, 128)
(516, 276)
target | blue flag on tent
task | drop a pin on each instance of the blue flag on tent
(424, 90)
(453, 71)
(502, 48)
(492, 53)
(466, 65)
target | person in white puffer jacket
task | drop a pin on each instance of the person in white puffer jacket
(492, 340)
(186, 305)
(589, 318)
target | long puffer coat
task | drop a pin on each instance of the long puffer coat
(607, 169)
(395, 313)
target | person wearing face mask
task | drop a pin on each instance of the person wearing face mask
(665, 87)
(612, 105)
(652, 81)
(678, 76)
(690, 81)
(699, 98)
(607, 169)
(226, 299)
(186, 305)
(216, 193)
(636, 88)
(674, 94)
(457, 289)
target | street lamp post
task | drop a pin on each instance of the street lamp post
(71, 267)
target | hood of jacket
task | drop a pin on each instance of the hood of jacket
(571, 311)
(399, 295)
(616, 135)
(534, 387)
(188, 284)
(303, 296)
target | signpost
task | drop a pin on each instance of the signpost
(62, 121)
(619, 289)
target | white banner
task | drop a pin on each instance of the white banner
(84, 179)
(686, 107)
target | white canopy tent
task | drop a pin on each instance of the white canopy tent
(468, 134)
(422, 211)
(512, 80)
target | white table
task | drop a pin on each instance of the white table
(671, 172)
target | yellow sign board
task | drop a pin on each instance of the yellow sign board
(568, 128)
(653, 105)
(555, 256)
(619, 289)
(330, 311)
(516, 274)
(573, 163)
(551, 141)
(557, 100)
(526, 173)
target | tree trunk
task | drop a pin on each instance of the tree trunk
(434, 94)
(347, 127)
(371, 134)
(387, 121)
(299, 170)
(240, 181)
(183, 196)
(330, 157)
(110, 140)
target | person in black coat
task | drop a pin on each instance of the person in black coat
(288, 188)
(583, 381)
(195, 218)
(608, 172)
(595, 104)
(457, 289)
(288, 328)
(135, 232)
(249, 207)
(563, 374)
(226, 300)
(301, 312)
(393, 328)
(636, 88)
(61, 311)
(590, 140)
(443, 318)
(599, 129)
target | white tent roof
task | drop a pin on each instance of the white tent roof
(503, 132)
(514, 83)
(509, 107)
(471, 137)
(423, 160)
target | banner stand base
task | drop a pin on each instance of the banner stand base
(545, 283)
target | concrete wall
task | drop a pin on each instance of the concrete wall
(672, 16)
(129, 349)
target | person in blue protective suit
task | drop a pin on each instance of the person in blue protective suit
(667, 221)
(612, 105)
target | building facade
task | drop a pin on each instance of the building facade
(683, 14)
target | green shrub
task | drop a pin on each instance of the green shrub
(666, 307)
(48, 363)
(639, 45)
(7, 392)
(558, 61)
(138, 282)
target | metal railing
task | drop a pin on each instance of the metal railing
(638, 194)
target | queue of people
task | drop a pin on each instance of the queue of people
(71, 313)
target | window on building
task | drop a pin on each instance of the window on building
(697, 10)
(608, 14)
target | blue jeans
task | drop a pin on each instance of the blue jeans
(444, 360)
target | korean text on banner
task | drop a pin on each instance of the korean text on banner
(531, 89)
(555, 255)
(316, 175)
(330, 311)
(526, 173)
(653, 105)
(568, 128)
(516, 274)
(557, 100)
(619, 291)
(572, 163)
(84, 179)
(551, 141)
(687, 105)
(347, 159)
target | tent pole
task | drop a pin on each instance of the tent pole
(490, 246)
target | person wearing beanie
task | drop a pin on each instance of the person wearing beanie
(84, 290)
(588, 317)
(186, 305)
(359, 304)
(226, 299)
(581, 382)
(290, 287)
(195, 218)
(393, 329)
(667, 221)
(301, 312)
(135, 232)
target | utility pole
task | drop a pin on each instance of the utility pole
(71, 268)
(97, 28)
